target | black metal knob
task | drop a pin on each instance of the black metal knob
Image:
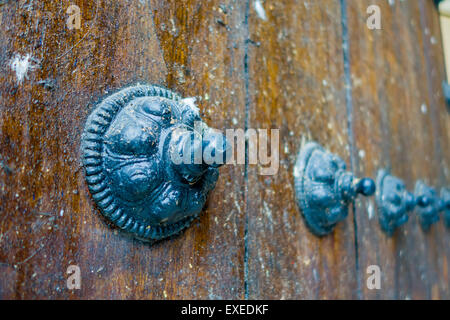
(324, 188)
(427, 205)
(446, 89)
(394, 202)
(140, 148)
(444, 205)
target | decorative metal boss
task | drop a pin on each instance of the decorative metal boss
(129, 146)
(445, 205)
(428, 205)
(324, 188)
(394, 202)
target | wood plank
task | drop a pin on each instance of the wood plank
(296, 85)
(369, 57)
(426, 131)
(439, 113)
(254, 64)
(393, 127)
(47, 218)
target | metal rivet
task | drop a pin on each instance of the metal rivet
(393, 202)
(324, 188)
(446, 88)
(427, 205)
(444, 205)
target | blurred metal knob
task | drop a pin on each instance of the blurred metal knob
(444, 205)
(427, 205)
(324, 188)
(394, 202)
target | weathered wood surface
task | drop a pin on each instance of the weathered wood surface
(48, 220)
(395, 127)
(296, 72)
(284, 68)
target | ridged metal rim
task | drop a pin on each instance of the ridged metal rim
(92, 141)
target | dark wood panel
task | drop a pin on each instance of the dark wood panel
(47, 219)
(434, 56)
(252, 65)
(394, 127)
(370, 53)
(296, 78)
(424, 141)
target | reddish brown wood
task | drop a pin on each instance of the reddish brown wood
(433, 52)
(370, 57)
(281, 69)
(48, 220)
(296, 85)
(395, 126)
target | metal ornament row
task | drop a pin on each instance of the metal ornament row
(324, 190)
(131, 136)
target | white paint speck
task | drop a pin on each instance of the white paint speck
(391, 3)
(424, 108)
(21, 65)
(260, 10)
(362, 154)
(61, 213)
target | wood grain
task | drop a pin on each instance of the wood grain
(48, 220)
(440, 111)
(370, 57)
(296, 77)
(309, 68)
(394, 128)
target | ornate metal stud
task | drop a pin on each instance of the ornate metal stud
(128, 146)
(427, 205)
(324, 189)
(446, 88)
(444, 205)
(394, 202)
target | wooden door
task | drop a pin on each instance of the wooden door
(311, 69)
